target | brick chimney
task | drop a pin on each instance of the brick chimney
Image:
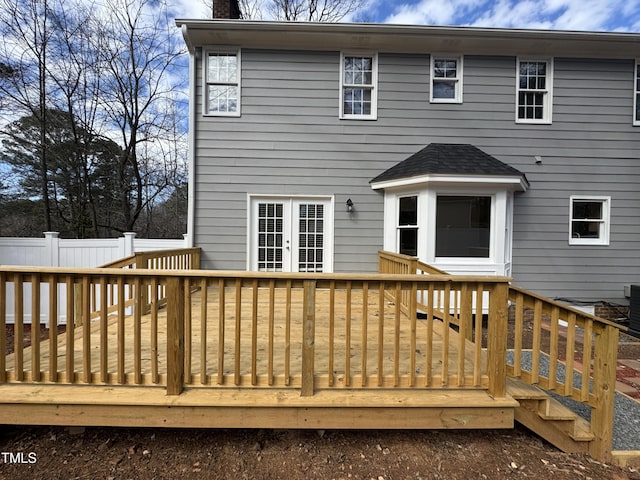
(226, 9)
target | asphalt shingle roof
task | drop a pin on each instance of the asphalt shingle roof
(448, 159)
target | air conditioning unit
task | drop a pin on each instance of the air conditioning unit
(634, 308)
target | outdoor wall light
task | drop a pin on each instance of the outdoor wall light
(349, 204)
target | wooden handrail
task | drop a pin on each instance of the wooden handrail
(283, 323)
(125, 262)
(542, 363)
(588, 377)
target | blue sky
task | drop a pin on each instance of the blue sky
(591, 15)
(607, 15)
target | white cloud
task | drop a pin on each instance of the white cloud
(433, 12)
(193, 9)
(539, 14)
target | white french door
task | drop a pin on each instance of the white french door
(291, 234)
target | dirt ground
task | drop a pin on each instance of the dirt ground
(143, 454)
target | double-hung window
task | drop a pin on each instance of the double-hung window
(358, 94)
(222, 83)
(408, 225)
(636, 95)
(534, 91)
(589, 220)
(446, 79)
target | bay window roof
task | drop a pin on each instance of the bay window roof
(452, 164)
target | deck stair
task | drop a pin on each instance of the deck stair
(548, 418)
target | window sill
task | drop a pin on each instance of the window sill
(534, 122)
(447, 101)
(358, 117)
(586, 243)
(228, 115)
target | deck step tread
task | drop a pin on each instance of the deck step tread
(554, 410)
(549, 411)
(524, 391)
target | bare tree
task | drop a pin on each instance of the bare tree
(24, 84)
(76, 72)
(300, 10)
(106, 70)
(138, 46)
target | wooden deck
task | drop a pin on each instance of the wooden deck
(410, 347)
(218, 398)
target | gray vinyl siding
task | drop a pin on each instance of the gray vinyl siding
(289, 140)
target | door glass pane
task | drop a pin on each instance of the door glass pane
(270, 237)
(310, 238)
(463, 226)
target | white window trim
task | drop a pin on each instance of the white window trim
(329, 223)
(548, 103)
(459, 78)
(636, 92)
(374, 88)
(606, 220)
(205, 83)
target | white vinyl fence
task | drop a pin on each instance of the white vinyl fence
(52, 251)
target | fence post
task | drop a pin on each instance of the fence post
(128, 248)
(175, 335)
(604, 389)
(52, 241)
(308, 338)
(497, 335)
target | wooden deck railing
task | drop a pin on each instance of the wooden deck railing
(568, 352)
(174, 259)
(234, 329)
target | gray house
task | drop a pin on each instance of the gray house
(481, 151)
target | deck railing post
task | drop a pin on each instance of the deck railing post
(604, 389)
(195, 259)
(413, 266)
(308, 338)
(175, 335)
(497, 339)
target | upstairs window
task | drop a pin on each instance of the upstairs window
(535, 79)
(222, 83)
(589, 220)
(636, 96)
(358, 95)
(446, 79)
